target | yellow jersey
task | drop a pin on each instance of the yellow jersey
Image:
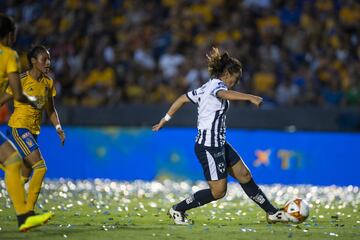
(25, 115)
(9, 63)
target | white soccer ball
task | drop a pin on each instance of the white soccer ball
(297, 210)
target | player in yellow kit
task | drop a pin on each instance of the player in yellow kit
(10, 159)
(24, 123)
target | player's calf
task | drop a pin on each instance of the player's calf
(39, 170)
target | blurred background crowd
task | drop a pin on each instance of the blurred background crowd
(106, 52)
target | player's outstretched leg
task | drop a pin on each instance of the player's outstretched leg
(241, 172)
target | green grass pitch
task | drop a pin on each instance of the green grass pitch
(104, 209)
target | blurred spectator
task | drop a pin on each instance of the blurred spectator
(331, 94)
(97, 86)
(287, 92)
(265, 81)
(108, 52)
(170, 62)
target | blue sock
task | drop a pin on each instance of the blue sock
(198, 199)
(256, 194)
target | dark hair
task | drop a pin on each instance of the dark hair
(7, 25)
(34, 52)
(218, 63)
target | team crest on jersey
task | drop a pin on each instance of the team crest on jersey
(25, 135)
(29, 142)
(221, 167)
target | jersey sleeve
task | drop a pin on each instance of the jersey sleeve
(216, 86)
(53, 89)
(193, 95)
(13, 64)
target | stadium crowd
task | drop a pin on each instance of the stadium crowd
(106, 52)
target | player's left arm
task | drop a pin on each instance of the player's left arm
(234, 95)
(183, 99)
(54, 118)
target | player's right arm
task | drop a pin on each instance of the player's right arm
(12, 70)
(183, 99)
(15, 85)
(17, 91)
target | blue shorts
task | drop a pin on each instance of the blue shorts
(2, 138)
(215, 161)
(24, 140)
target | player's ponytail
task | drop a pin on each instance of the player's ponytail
(7, 25)
(218, 63)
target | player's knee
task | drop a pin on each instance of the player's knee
(246, 173)
(218, 193)
(12, 159)
(40, 166)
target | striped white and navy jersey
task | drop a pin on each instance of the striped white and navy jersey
(211, 113)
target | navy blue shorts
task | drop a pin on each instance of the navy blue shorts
(24, 140)
(215, 161)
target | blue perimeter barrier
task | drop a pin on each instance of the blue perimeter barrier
(320, 158)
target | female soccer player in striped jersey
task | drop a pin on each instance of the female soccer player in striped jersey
(216, 156)
(9, 158)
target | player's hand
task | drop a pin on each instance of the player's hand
(62, 136)
(158, 126)
(256, 101)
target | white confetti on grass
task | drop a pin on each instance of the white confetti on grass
(99, 192)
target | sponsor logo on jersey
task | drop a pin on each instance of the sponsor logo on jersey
(25, 135)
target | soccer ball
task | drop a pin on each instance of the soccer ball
(297, 210)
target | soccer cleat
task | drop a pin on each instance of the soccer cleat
(179, 218)
(35, 221)
(279, 216)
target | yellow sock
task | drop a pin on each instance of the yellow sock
(13, 183)
(39, 170)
